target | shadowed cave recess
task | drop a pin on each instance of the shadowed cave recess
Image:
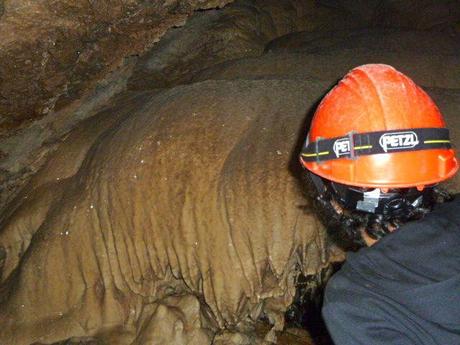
(150, 191)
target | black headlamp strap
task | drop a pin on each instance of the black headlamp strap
(371, 143)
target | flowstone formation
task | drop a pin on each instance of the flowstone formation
(161, 201)
(189, 200)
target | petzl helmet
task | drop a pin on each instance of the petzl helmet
(377, 129)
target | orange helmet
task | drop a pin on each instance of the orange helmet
(378, 129)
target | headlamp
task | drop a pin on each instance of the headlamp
(394, 203)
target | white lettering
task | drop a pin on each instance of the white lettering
(398, 141)
(341, 147)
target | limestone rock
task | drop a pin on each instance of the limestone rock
(52, 51)
(428, 70)
(241, 29)
(196, 192)
(326, 57)
(61, 61)
(177, 215)
(424, 14)
(411, 14)
(377, 40)
(175, 320)
(76, 56)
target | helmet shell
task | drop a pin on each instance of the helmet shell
(373, 98)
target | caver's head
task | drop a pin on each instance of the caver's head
(376, 149)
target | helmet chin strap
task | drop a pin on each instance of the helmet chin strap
(396, 204)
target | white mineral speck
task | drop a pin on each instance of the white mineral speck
(135, 176)
(158, 142)
(91, 206)
(142, 161)
(58, 178)
(278, 152)
(67, 232)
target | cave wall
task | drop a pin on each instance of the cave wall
(69, 70)
(59, 60)
(52, 50)
(405, 14)
(63, 61)
(73, 57)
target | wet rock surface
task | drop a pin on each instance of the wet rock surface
(241, 29)
(62, 60)
(52, 50)
(377, 40)
(322, 56)
(429, 70)
(166, 202)
(64, 71)
(199, 143)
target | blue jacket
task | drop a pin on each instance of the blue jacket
(404, 290)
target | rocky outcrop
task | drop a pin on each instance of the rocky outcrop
(190, 192)
(429, 70)
(124, 232)
(429, 58)
(61, 61)
(412, 14)
(64, 71)
(51, 52)
(378, 40)
(241, 29)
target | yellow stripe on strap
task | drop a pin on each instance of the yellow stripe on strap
(364, 147)
(315, 154)
(436, 141)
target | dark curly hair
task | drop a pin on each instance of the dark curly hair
(345, 227)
